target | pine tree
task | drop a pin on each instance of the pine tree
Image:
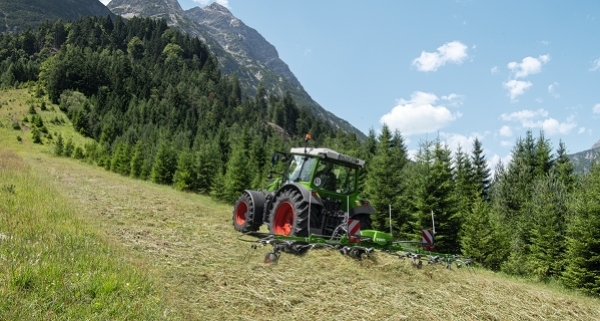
(383, 184)
(434, 193)
(165, 164)
(137, 160)
(238, 175)
(185, 175)
(207, 166)
(563, 168)
(476, 232)
(548, 207)
(481, 172)
(583, 236)
(59, 147)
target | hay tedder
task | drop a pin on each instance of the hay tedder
(314, 203)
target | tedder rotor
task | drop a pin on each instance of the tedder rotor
(314, 203)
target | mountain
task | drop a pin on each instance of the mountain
(582, 161)
(18, 15)
(240, 49)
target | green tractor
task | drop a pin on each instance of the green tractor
(317, 194)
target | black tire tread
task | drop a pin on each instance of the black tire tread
(248, 226)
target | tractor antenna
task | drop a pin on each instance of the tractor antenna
(390, 206)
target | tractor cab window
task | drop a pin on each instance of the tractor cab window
(301, 168)
(335, 177)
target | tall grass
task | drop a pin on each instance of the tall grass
(53, 265)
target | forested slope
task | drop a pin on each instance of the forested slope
(156, 107)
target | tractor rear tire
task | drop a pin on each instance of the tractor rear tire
(243, 214)
(365, 221)
(289, 216)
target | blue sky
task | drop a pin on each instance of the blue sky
(458, 69)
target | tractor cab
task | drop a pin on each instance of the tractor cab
(323, 170)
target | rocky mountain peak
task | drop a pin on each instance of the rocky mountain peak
(217, 8)
(170, 10)
(596, 145)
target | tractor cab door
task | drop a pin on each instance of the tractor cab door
(300, 169)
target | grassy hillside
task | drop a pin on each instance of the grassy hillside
(79, 242)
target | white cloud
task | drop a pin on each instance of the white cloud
(465, 142)
(524, 115)
(596, 109)
(595, 65)
(454, 52)
(505, 131)
(528, 66)
(494, 70)
(544, 42)
(224, 3)
(516, 88)
(454, 100)
(552, 90)
(105, 2)
(581, 130)
(506, 143)
(539, 119)
(418, 115)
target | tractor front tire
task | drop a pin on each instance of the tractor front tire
(289, 216)
(243, 215)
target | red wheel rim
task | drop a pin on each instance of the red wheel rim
(240, 213)
(284, 219)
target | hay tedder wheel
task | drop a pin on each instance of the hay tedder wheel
(289, 216)
(243, 215)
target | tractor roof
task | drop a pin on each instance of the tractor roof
(327, 153)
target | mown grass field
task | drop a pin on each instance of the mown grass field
(78, 242)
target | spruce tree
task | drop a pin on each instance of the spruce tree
(137, 160)
(582, 257)
(383, 184)
(185, 175)
(476, 232)
(165, 164)
(481, 173)
(60, 146)
(563, 168)
(548, 207)
(238, 175)
(434, 193)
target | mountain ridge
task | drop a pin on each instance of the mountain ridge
(251, 66)
(18, 15)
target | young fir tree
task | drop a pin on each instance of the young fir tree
(481, 173)
(185, 175)
(476, 232)
(239, 174)
(582, 257)
(563, 168)
(548, 207)
(59, 146)
(384, 184)
(207, 160)
(434, 193)
(137, 160)
(165, 164)
(69, 148)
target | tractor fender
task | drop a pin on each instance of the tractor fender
(303, 190)
(258, 199)
(363, 209)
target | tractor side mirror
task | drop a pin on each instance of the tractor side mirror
(274, 159)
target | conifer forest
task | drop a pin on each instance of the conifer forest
(158, 108)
